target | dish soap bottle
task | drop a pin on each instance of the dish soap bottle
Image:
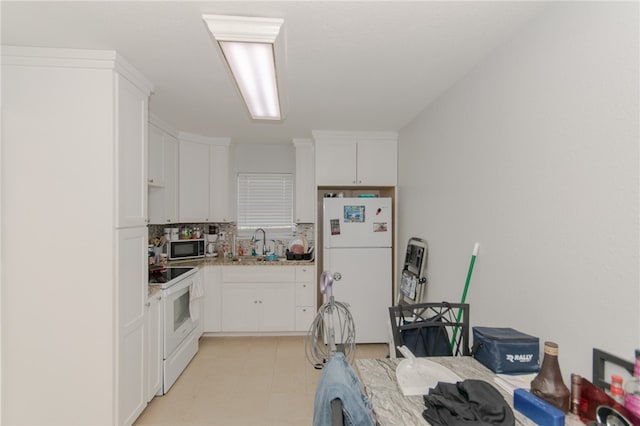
(616, 391)
(548, 384)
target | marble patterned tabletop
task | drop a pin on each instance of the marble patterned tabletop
(391, 407)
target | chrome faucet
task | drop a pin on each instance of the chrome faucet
(264, 240)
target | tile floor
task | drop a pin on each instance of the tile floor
(245, 381)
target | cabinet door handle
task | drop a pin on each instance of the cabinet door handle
(148, 304)
(150, 180)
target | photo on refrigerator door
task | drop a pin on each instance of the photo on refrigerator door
(354, 214)
(380, 227)
(335, 226)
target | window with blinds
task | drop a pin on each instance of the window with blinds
(265, 200)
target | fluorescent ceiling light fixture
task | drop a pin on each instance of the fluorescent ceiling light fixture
(253, 51)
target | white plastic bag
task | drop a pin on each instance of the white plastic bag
(417, 375)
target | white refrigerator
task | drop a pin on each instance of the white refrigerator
(357, 250)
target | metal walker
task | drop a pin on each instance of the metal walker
(333, 323)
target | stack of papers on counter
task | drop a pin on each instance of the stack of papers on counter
(511, 382)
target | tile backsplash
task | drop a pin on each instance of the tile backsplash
(227, 234)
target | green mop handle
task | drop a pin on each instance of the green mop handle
(464, 293)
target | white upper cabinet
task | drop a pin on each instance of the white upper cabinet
(356, 159)
(336, 162)
(203, 182)
(305, 189)
(219, 183)
(155, 175)
(170, 189)
(163, 173)
(377, 162)
(131, 149)
(194, 181)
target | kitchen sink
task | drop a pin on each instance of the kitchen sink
(247, 259)
(253, 259)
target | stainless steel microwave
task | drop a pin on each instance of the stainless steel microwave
(186, 249)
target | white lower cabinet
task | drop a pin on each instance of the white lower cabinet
(304, 317)
(212, 298)
(257, 307)
(153, 347)
(132, 294)
(305, 297)
(258, 299)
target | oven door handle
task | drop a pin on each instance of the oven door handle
(185, 283)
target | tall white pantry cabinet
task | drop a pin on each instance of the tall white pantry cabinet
(74, 179)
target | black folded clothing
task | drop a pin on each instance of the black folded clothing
(470, 402)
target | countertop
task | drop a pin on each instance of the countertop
(244, 262)
(228, 262)
(152, 289)
(392, 408)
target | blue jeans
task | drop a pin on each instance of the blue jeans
(338, 380)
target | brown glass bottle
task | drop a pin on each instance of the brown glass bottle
(548, 384)
(576, 384)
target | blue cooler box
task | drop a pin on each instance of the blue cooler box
(505, 350)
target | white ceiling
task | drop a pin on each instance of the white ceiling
(366, 65)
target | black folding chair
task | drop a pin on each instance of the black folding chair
(431, 329)
(600, 358)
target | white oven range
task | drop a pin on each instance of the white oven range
(181, 288)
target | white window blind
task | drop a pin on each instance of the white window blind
(265, 200)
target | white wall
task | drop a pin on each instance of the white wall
(535, 155)
(259, 158)
(264, 158)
